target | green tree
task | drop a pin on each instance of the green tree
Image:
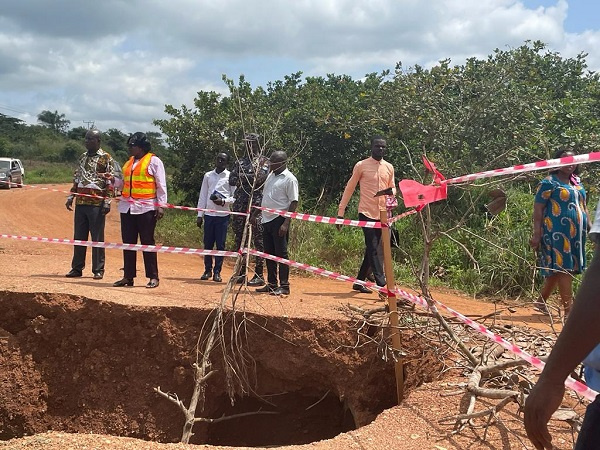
(54, 120)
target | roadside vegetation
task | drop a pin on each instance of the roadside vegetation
(515, 106)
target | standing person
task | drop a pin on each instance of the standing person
(248, 176)
(144, 187)
(560, 225)
(95, 165)
(373, 174)
(579, 336)
(216, 193)
(280, 192)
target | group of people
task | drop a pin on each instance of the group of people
(143, 186)
(560, 225)
(253, 181)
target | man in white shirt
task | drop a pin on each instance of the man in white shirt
(217, 194)
(280, 192)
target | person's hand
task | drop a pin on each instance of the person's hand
(219, 201)
(159, 213)
(544, 399)
(338, 226)
(534, 242)
(105, 208)
(199, 222)
(69, 203)
(283, 229)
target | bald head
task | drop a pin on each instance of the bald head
(92, 140)
(278, 161)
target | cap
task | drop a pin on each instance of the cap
(139, 139)
(251, 137)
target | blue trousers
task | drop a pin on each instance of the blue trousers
(215, 233)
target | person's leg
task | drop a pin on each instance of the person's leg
(565, 290)
(548, 287)
(81, 229)
(146, 227)
(281, 250)
(257, 238)
(129, 235)
(373, 252)
(269, 247)
(220, 233)
(237, 225)
(97, 224)
(209, 241)
(589, 435)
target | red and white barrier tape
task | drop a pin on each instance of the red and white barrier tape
(577, 386)
(536, 362)
(333, 220)
(119, 246)
(522, 168)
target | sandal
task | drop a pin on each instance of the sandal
(541, 307)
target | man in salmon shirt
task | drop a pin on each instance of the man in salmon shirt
(373, 174)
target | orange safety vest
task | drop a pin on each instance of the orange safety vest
(138, 183)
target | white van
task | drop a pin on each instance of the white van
(11, 172)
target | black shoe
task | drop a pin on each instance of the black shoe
(266, 289)
(361, 288)
(73, 274)
(206, 275)
(153, 283)
(241, 279)
(256, 281)
(281, 290)
(123, 282)
(98, 275)
(217, 277)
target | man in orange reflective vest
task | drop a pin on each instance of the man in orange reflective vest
(144, 189)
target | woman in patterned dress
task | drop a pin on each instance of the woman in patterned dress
(560, 226)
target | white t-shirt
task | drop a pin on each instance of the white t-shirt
(279, 191)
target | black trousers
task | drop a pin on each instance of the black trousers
(88, 220)
(237, 225)
(142, 226)
(589, 435)
(373, 257)
(277, 246)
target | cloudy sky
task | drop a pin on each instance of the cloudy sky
(118, 62)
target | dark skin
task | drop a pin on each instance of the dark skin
(92, 144)
(220, 165)
(278, 165)
(378, 147)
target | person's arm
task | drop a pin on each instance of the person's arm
(349, 190)
(234, 175)
(579, 336)
(538, 215)
(157, 169)
(542, 198)
(262, 173)
(292, 192)
(202, 199)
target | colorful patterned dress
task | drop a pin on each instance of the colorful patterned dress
(564, 225)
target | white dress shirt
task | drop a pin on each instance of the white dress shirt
(211, 183)
(279, 191)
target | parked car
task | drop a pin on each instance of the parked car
(12, 173)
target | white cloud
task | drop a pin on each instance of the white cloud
(118, 63)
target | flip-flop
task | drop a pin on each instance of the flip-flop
(541, 309)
